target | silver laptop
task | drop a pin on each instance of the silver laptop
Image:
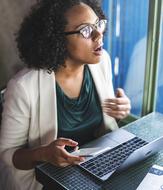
(116, 151)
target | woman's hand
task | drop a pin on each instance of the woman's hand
(56, 153)
(118, 107)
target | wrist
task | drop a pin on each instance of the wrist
(40, 154)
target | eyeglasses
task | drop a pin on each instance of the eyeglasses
(88, 30)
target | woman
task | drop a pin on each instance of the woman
(56, 101)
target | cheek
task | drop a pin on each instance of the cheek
(79, 49)
(82, 51)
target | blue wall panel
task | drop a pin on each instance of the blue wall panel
(133, 27)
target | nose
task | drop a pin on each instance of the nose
(97, 35)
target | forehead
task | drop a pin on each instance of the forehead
(80, 14)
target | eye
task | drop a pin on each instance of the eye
(101, 25)
(86, 31)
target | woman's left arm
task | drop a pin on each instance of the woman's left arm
(118, 107)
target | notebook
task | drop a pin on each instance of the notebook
(121, 150)
(153, 179)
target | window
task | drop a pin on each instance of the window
(131, 26)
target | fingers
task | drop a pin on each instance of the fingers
(117, 103)
(118, 111)
(66, 159)
(57, 154)
(66, 155)
(65, 141)
(75, 160)
(76, 148)
(118, 107)
(120, 92)
(116, 114)
(69, 161)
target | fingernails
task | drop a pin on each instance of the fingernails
(76, 148)
(82, 159)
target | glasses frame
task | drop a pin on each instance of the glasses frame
(93, 26)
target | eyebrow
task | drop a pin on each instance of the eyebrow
(85, 24)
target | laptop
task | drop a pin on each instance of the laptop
(111, 153)
(115, 152)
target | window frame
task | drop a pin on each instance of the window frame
(152, 57)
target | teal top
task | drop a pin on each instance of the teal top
(79, 117)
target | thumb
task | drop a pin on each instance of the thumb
(120, 92)
(65, 141)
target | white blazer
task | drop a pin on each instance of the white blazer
(30, 117)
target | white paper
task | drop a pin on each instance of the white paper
(153, 180)
(89, 152)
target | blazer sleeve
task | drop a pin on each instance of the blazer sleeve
(107, 70)
(15, 121)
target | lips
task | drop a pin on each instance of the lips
(98, 49)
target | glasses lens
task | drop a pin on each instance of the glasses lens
(101, 25)
(86, 31)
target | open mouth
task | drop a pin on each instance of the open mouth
(98, 49)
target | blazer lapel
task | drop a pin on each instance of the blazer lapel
(99, 81)
(48, 107)
(103, 92)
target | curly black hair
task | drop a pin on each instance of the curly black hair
(41, 41)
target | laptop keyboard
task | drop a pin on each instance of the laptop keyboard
(70, 177)
(101, 165)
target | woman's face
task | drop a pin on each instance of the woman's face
(83, 50)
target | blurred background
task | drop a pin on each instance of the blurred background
(12, 13)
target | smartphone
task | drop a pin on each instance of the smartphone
(87, 152)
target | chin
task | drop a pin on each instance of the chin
(96, 58)
(93, 63)
(96, 61)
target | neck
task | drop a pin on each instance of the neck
(70, 70)
(70, 79)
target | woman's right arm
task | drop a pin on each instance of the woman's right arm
(54, 153)
(14, 134)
